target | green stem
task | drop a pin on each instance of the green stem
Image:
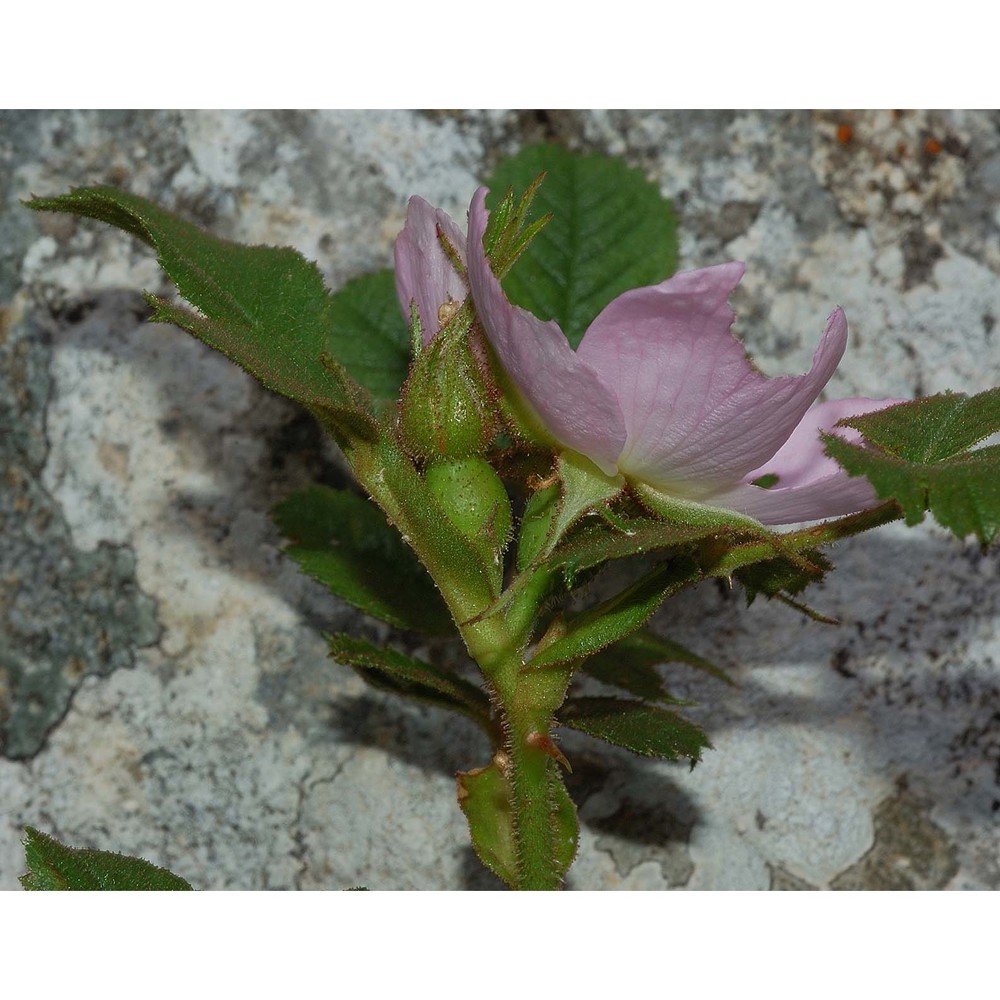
(534, 836)
(525, 703)
(806, 538)
(496, 629)
(532, 775)
(852, 524)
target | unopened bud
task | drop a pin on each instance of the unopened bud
(448, 408)
(475, 500)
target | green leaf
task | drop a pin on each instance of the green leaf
(932, 429)
(393, 671)
(636, 677)
(962, 493)
(485, 797)
(344, 542)
(368, 336)
(611, 230)
(643, 729)
(53, 866)
(618, 617)
(630, 665)
(266, 308)
(919, 459)
(783, 574)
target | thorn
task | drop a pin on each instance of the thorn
(545, 743)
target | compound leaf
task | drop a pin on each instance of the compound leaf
(611, 230)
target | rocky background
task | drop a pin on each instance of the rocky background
(164, 690)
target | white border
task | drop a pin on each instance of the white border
(448, 53)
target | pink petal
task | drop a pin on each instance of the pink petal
(811, 485)
(803, 458)
(829, 497)
(567, 394)
(699, 416)
(424, 273)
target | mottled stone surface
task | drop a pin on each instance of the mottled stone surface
(65, 613)
(910, 851)
(164, 689)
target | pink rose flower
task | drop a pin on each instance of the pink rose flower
(659, 391)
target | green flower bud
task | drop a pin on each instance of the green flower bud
(475, 500)
(449, 407)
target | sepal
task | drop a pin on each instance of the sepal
(540, 513)
(585, 489)
(610, 230)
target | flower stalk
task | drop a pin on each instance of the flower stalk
(525, 702)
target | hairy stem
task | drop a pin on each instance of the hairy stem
(806, 538)
(496, 629)
(525, 703)
(533, 774)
